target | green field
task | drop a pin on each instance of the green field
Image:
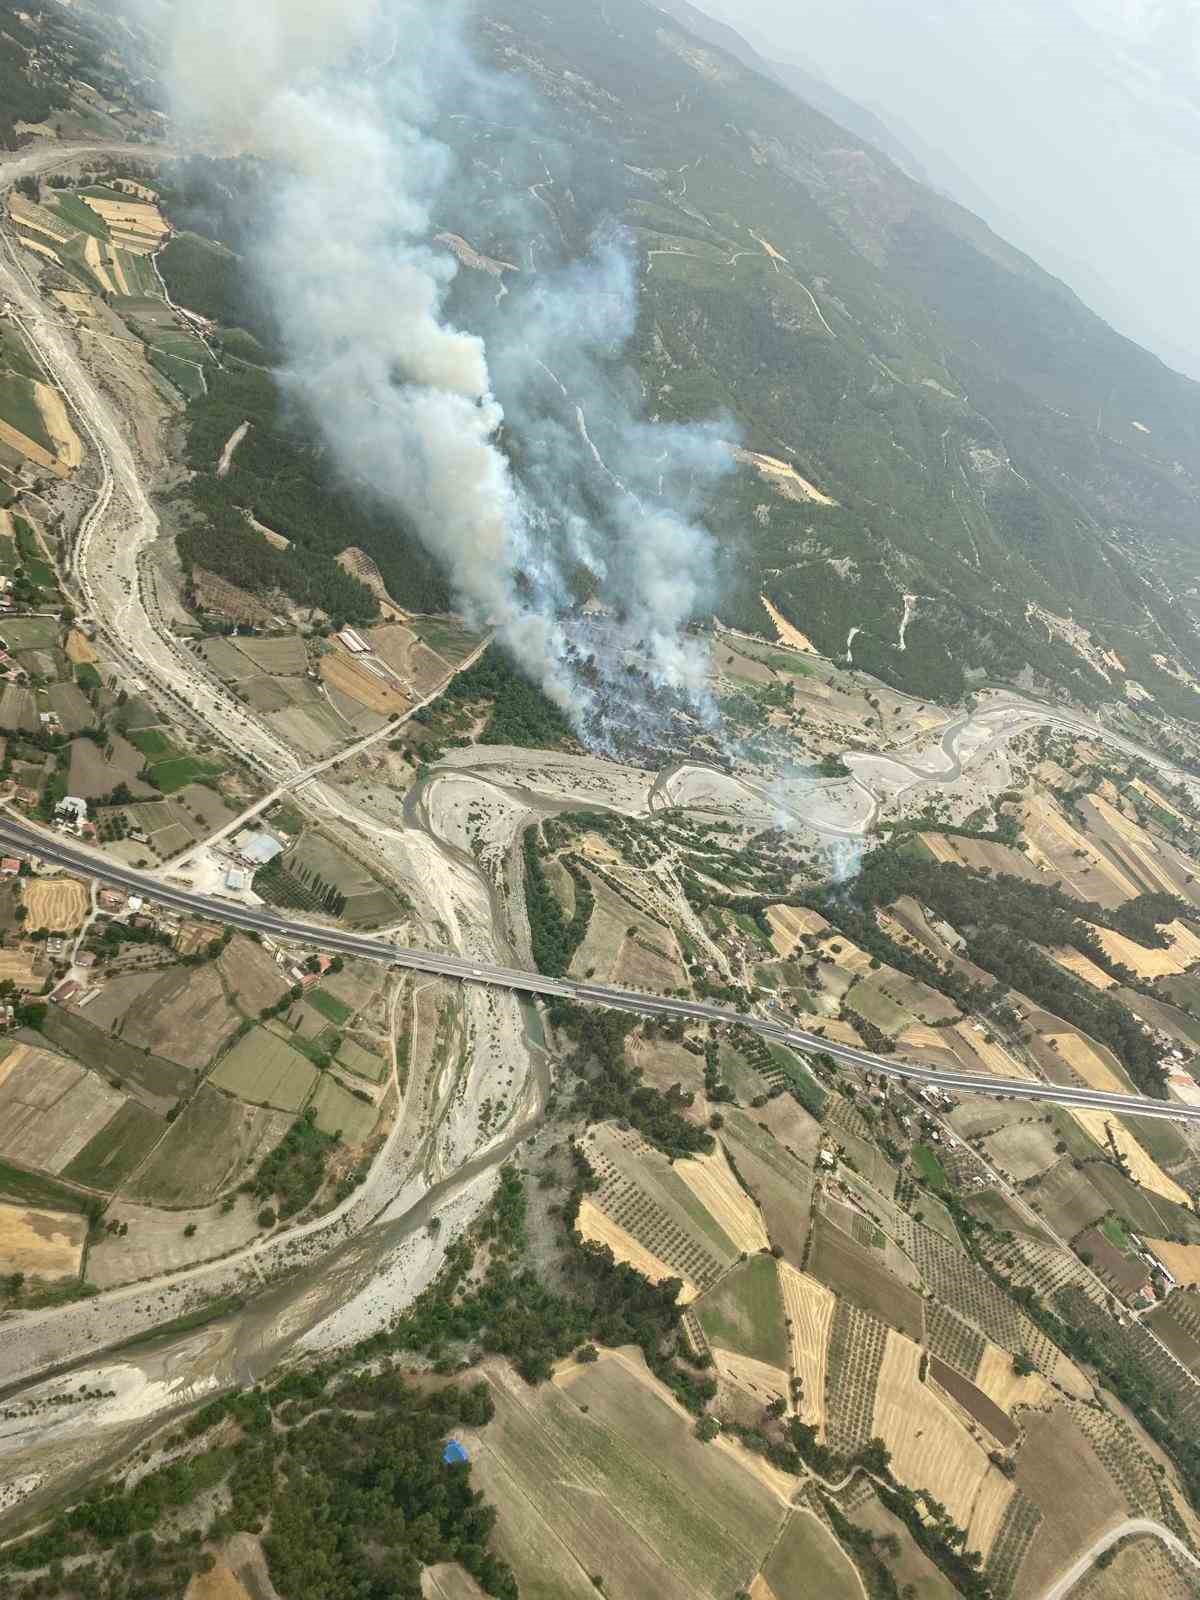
(363, 1063)
(31, 1188)
(1115, 1232)
(603, 1479)
(744, 1312)
(184, 374)
(118, 1149)
(178, 771)
(265, 1070)
(150, 741)
(20, 410)
(808, 1560)
(449, 639)
(329, 1006)
(930, 1167)
(80, 215)
(339, 1111)
(30, 633)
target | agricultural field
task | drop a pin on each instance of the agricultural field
(1141, 1569)
(208, 1150)
(111, 1156)
(933, 1450)
(643, 1195)
(714, 1185)
(597, 1227)
(264, 1070)
(94, 775)
(254, 978)
(808, 1308)
(411, 659)
(41, 1244)
(857, 1273)
(1059, 1471)
(779, 1180)
(744, 1313)
(912, 1571)
(363, 1063)
(58, 905)
(340, 1111)
(598, 1475)
(807, 1559)
(181, 1014)
(373, 697)
(50, 1106)
(315, 874)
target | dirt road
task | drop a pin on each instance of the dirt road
(1063, 1586)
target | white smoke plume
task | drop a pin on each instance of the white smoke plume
(344, 95)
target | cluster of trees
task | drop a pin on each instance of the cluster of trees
(553, 938)
(299, 887)
(294, 1171)
(514, 1313)
(283, 474)
(607, 1087)
(521, 713)
(345, 1473)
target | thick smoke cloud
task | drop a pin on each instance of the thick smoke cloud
(525, 466)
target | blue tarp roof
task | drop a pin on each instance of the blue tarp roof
(454, 1452)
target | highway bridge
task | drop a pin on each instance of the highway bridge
(23, 839)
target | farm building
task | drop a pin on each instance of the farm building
(354, 642)
(258, 846)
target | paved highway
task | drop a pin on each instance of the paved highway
(22, 838)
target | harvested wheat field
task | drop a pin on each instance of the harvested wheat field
(594, 1225)
(356, 681)
(790, 923)
(56, 904)
(31, 450)
(1141, 1166)
(42, 1244)
(758, 1379)
(54, 414)
(1182, 949)
(96, 264)
(136, 225)
(1087, 1061)
(1077, 963)
(932, 1450)
(711, 1180)
(808, 1306)
(1182, 1261)
(995, 1376)
(79, 649)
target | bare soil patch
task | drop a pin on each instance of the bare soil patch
(41, 1244)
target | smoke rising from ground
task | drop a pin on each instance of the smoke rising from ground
(525, 466)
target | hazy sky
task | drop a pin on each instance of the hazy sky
(1072, 126)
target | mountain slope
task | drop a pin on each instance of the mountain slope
(990, 442)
